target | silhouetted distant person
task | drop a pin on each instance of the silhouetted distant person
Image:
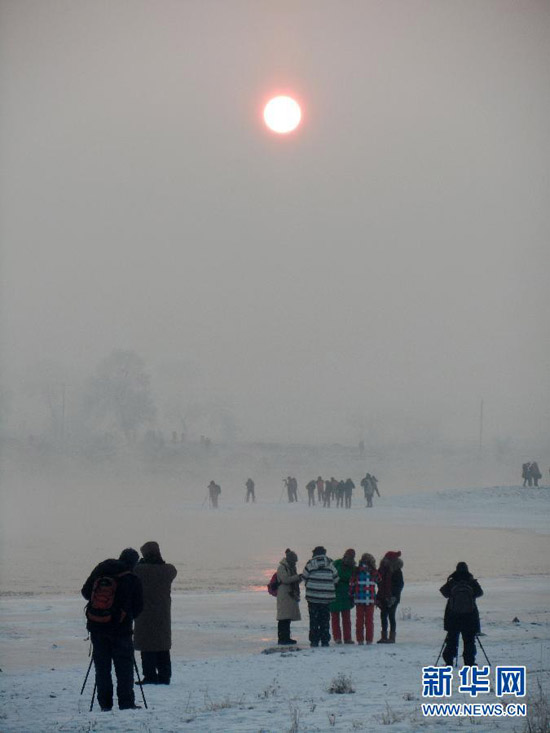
(328, 493)
(153, 629)
(461, 614)
(340, 489)
(310, 488)
(289, 491)
(294, 488)
(370, 486)
(348, 491)
(535, 473)
(525, 475)
(115, 599)
(214, 492)
(334, 483)
(250, 495)
(320, 489)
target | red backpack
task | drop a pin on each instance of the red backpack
(100, 608)
(273, 585)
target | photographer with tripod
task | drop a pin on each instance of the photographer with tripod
(115, 599)
(461, 614)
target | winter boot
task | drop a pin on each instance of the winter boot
(391, 640)
(384, 638)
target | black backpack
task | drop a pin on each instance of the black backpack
(461, 600)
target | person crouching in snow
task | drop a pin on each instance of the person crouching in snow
(461, 614)
(320, 577)
(389, 593)
(288, 596)
(363, 593)
(343, 603)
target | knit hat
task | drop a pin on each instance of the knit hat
(129, 557)
(150, 550)
(291, 556)
(319, 550)
(391, 555)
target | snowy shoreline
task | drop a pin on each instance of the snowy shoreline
(223, 682)
(221, 679)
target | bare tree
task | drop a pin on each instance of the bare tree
(119, 394)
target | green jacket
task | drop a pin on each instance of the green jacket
(343, 601)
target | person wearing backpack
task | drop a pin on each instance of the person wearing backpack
(389, 593)
(288, 597)
(310, 488)
(461, 614)
(115, 599)
(153, 629)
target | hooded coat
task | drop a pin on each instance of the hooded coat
(320, 577)
(288, 593)
(153, 629)
(391, 581)
(468, 622)
(343, 601)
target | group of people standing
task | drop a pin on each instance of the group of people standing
(324, 491)
(125, 596)
(530, 473)
(333, 589)
(132, 596)
(339, 491)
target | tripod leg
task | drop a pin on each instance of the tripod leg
(483, 650)
(440, 651)
(93, 696)
(140, 685)
(87, 674)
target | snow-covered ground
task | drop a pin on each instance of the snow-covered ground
(221, 680)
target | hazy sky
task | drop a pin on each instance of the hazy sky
(389, 259)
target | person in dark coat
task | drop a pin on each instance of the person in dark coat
(250, 494)
(461, 614)
(348, 491)
(153, 631)
(327, 493)
(534, 473)
(320, 489)
(111, 633)
(214, 491)
(310, 488)
(389, 593)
